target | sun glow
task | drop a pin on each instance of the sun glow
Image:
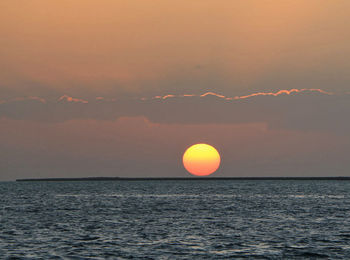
(201, 159)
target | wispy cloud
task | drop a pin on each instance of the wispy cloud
(307, 109)
(72, 99)
(41, 100)
(213, 94)
(284, 92)
(275, 94)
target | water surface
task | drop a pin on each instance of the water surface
(175, 219)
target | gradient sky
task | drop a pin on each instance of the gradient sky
(85, 85)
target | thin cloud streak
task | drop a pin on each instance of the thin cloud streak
(302, 109)
(67, 98)
(41, 100)
(275, 94)
(281, 92)
(71, 99)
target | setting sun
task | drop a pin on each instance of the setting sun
(201, 159)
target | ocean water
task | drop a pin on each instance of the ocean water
(254, 219)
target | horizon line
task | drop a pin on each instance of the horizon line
(180, 178)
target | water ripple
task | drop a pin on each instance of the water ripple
(175, 220)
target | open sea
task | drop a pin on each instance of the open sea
(174, 219)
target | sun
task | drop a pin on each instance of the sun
(201, 159)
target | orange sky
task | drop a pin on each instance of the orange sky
(89, 47)
(122, 88)
(132, 147)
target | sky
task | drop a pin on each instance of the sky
(122, 88)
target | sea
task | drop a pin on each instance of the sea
(175, 219)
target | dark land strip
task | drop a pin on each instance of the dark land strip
(183, 179)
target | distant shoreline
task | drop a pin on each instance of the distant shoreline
(181, 179)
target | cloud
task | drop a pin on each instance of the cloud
(275, 94)
(306, 109)
(287, 92)
(18, 99)
(67, 98)
(285, 133)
